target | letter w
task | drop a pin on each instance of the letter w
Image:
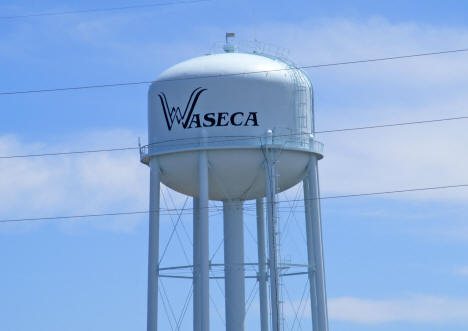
(175, 114)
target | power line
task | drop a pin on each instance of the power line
(68, 153)
(181, 210)
(431, 188)
(395, 124)
(94, 10)
(83, 87)
(232, 138)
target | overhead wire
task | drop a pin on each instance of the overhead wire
(69, 153)
(313, 66)
(127, 148)
(165, 211)
(394, 124)
(94, 10)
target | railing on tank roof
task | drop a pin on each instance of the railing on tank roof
(251, 46)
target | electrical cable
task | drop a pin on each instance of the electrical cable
(69, 153)
(313, 66)
(344, 196)
(234, 138)
(93, 10)
(395, 124)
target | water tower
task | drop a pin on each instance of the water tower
(235, 126)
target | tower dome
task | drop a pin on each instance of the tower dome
(232, 105)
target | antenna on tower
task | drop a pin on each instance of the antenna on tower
(229, 47)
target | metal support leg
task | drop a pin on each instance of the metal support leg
(196, 265)
(153, 247)
(310, 255)
(262, 266)
(204, 303)
(315, 246)
(234, 265)
(272, 240)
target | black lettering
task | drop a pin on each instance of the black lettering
(195, 119)
(190, 107)
(209, 120)
(233, 119)
(221, 117)
(251, 118)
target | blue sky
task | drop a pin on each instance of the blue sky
(394, 262)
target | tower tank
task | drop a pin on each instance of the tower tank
(233, 127)
(231, 105)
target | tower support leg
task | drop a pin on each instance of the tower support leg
(310, 255)
(315, 248)
(262, 265)
(196, 265)
(270, 170)
(203, 244)
(153, 246)
(234, 265)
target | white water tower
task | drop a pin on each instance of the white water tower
(233, 127)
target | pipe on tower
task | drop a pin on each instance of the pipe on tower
(270, 171)
(262, 265)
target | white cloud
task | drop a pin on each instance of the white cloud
(416, 309)
(72, 184)
(462, 271)
(336, 40)
(78, 184)
(421, 309)
(393, 159)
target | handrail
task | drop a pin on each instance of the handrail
(298, 141)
